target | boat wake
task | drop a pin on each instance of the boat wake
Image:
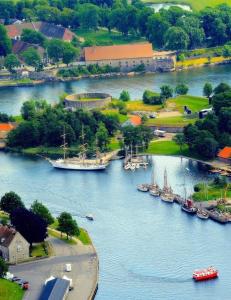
(159, 279)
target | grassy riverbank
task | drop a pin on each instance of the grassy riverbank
(9, 83)
(200, 61)
(211, 191)
(166, 148)
(10, 290)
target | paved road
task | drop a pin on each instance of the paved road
(83, 274)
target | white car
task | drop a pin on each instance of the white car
(68, 268)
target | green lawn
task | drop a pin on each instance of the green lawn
(211, 192)
(38, 250)
(103, 37)
(114, 144)
(195, 4)
(10, 290)
(166, 148)
(114, 112)
(179, 121)
(139, 105)
(15, 82)
(192, 102)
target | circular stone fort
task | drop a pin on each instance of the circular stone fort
(87, 100)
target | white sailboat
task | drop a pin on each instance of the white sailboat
(167, 194)
(79, 163)
(154, 189)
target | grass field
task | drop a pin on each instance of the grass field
(103, 37)
(10, 290)
(211, 192)
(195, 4)
(114, 112)
(192, 102)
(166, 148)
(193, 62)
(138, 105)
(179, 121)
(114, 144)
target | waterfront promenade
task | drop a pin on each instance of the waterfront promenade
(84, 273)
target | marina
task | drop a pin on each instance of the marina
(131, 231)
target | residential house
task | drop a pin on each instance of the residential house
(47, 29)
(224, 155)
(5, 128)
(19, 47)
(128, 57)
(133, 121)
(13, 246)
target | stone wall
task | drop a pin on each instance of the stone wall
(74, 101)
(169, 129)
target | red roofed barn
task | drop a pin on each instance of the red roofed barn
(225, 154)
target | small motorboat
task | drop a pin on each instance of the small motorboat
(154, 192)
(205, 274)
(127, 166)
(143, 187)
(90, 217)
(202, 214)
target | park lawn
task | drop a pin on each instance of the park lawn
(84, 237)
(63, 237)
(10, 290)
(178, 121)
(214, 192)
(102, 37)
(195, 4)
(138, 105)
(191, 62)
(39, 251)
(166, 148)
(114, 112)
(194, 103)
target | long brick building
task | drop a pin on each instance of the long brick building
(127, 57)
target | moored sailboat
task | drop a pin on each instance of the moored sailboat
(154, 188)
(167, 193)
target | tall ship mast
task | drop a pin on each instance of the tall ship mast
(80, 163)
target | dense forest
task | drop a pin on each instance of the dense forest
(214, 132)
(173, 29)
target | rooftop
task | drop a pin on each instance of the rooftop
(55, 289)
(135, 120)
(6, 235)
(225, 153)
(6, 127)
(142, 50)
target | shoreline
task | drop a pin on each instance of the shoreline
(14, 83)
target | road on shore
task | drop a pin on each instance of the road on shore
(84, 270)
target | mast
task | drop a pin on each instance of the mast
(64, 143)
(165, 179)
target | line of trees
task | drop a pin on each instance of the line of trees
(173, 29)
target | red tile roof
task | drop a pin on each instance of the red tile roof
(225, 153)
(143, 50)
(6, 127)
(135, 120)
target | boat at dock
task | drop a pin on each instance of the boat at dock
(79, 163)
(202, 214)
(205, 274)
(154, 188)
(90, 217)
(218, 217)
(167, 193)
(143, 187)
(188, 207)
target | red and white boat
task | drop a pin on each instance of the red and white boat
(205, 274)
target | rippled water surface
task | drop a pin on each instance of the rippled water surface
(11, 99)
(147, 248)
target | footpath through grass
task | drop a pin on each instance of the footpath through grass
(10, 290)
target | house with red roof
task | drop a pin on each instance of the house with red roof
(5, 128)
(225, 154)
(133, 121)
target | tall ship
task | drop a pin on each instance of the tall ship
(167, 193)
(80, 163)
(154, 188)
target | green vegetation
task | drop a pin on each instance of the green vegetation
(63, 238)
(212, 191)
(114, 144)
(178, 121)
(84, 237)
(104, 37)
(138, 105)
(16, 82)
(166, 148)
(115, 113)
(10, 290)
(41, 250)
(195, 104)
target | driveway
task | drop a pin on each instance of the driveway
(84, 270)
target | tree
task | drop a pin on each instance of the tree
(179, 140)
(89, 16)
(67, 224)
(5, 42)
(102, 137)
(11, 62)
(226, 51)
(3, 267)
(181, 89)
(124, 96)
(166, 92)
(69, 53)
(207, 90)
(222, 88)
(41, 210)
(150, 97)
(32, 37)
(176, 39)
(32, 58)
(156, 29)
(31, 226)
(55, 49)
(10, 201)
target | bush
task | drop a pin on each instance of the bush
(150, 97)
(140, 68)
(124, 96)
(197, 188)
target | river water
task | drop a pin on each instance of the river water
(158, 6)
(11, 99)
(147, 248)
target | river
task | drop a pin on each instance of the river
(147, 248)
(11, 99)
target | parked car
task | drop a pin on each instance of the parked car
(15, 279)
(25, 285)
(68, 268)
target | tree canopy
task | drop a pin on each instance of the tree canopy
(67, 224)
(11, 201)
(41, 210)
